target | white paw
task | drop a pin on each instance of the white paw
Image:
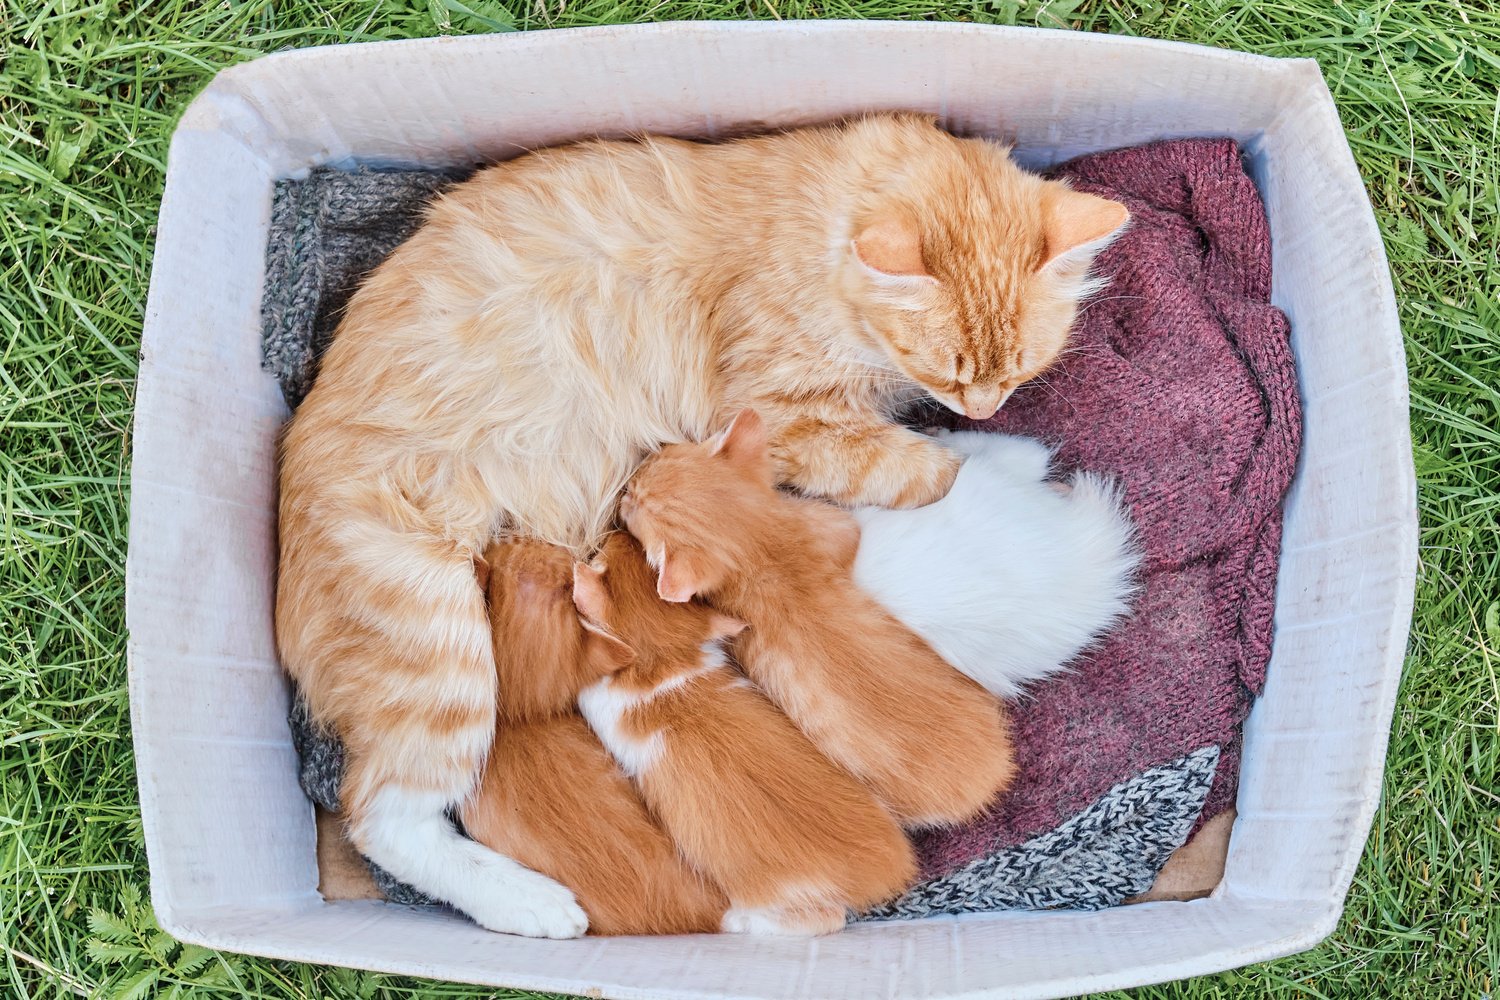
(532, 905)
(737, 921)
(778, 922)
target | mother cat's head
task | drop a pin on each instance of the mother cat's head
(965, 270)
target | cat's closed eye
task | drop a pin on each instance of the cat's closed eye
(963, 369)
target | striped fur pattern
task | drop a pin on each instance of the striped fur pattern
(558, 316)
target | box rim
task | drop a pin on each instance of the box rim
(226, 81)
(1309, 926)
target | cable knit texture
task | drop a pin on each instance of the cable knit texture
(327, 233)
(1179, 382)
(1111, 851)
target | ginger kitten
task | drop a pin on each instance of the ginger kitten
(559, 316)
(551, 796)
(795, 842)
(931, 743)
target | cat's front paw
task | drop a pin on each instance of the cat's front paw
(877, 465)
(531, 905)
(920, 473)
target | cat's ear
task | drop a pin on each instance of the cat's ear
(482, 572)
(1079, 222)
(606, 653)
(722, 626)
(676, 579)
(745, 440)
(889, 250)
(589, 594)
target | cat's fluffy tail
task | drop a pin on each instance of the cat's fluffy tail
(384, 629)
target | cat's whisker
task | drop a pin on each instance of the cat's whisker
(1064, 373)
(881, 379)
(1045, 384)
(1080, 349)
(1091, 303)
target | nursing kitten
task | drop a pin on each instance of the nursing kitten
(551, 796)
(794, 841)
(560, 315)
(873, 696)
(1009, 576)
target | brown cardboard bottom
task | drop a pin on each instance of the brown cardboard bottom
(1194, 869)
(342, 873)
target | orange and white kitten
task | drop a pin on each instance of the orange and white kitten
(551, 796)
(794, 841)
(560, 315)
(931, 743)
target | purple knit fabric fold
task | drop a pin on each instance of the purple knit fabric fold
(1180, 382)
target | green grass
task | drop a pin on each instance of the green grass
(88, 96)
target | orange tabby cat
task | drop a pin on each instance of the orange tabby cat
(560, 315)
(932, 744)
(551, 796)
(794, 841)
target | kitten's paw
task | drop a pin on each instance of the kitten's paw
(784, 921)
(529, 904)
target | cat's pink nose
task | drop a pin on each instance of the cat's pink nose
(978, 407)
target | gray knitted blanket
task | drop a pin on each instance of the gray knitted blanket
(327, 233)
(330, 230)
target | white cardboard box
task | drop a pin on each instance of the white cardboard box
(228, 832)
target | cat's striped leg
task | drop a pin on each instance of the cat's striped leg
(416, 706)
(874, 464)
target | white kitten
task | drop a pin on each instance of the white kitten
(1009, 576)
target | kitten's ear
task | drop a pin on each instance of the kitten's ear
(589, 594)
(1077, 221)
(606, 653)
(676, 580)
(745, 440)
(482, 572)
(890, 251)
(721, 626)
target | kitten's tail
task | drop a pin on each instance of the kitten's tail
(386, 632)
